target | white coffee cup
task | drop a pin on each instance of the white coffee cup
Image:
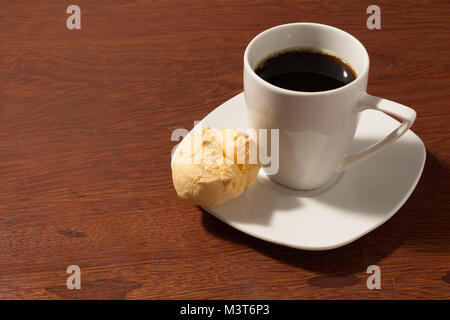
(315, 128)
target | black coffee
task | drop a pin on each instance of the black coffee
(305, 69)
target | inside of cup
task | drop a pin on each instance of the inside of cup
(312, 35)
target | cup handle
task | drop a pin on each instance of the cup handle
(399, 111)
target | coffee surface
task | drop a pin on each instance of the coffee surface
(305, 69)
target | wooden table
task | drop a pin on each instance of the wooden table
(85, 142)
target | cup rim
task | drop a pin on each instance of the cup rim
(355, 82)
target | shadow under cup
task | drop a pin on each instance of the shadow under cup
(315, 128)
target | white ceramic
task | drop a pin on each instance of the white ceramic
(361, 199)
(315, 128)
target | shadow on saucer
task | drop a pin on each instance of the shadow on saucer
(374, 186)
(377, 184)
(261, 201)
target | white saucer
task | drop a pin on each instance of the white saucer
(357, 202)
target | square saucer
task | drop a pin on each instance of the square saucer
(352, 205)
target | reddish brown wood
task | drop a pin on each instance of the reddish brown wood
(86, 118)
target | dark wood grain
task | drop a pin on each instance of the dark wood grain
(86, 119)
